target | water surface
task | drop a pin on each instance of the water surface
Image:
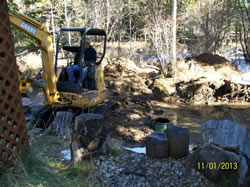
(192, 117)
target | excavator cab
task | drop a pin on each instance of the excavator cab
(79, 54)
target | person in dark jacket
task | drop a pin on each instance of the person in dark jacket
(89, 55)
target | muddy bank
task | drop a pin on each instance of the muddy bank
(142, 94)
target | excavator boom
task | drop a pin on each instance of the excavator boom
(39, 32)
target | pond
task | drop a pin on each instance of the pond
(193, 116)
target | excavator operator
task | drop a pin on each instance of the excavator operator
(89, 55)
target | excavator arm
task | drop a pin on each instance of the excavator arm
(39, 32)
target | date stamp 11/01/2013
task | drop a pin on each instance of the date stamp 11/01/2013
(217, 166)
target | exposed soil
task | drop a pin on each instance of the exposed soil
(210, 59)
(204, 79)
(142, 94)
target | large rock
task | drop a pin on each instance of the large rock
(225, 132)
(217, 163)
(247, 147)
(223, 153)
(112, 146)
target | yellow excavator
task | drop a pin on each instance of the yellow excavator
(58, 89)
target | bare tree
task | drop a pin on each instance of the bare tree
(242, 25)
(67, 19)
(53, 25)
(159, 29)
(174, 8)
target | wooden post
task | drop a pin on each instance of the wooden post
(62, 125)
(157, 145)
(178, 141)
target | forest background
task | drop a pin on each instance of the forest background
(202, 26)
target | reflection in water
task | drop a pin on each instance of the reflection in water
(193, 116)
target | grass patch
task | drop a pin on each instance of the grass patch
(33, 170)
(79, 170)
(84, 173)
(43, 165)
(49, 147)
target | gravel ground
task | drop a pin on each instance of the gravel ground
(133, 169)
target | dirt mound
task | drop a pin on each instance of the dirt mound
(215, 61)
(210, 59)
(204, 79)
(131, 87)
(141, 94)
(29, 65)
(124, 76)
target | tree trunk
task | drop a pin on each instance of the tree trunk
(244, 31)
(206, 34)
(174, 4)
(62, 125)
(53, 26)
(67, 20)
(108, 16)
(130, 28)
